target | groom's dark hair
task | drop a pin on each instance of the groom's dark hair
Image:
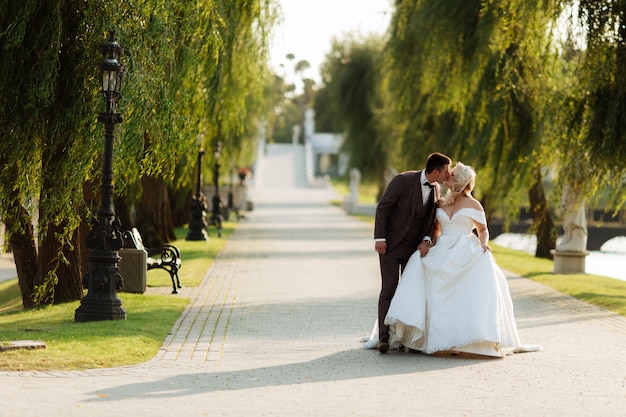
(436, 161)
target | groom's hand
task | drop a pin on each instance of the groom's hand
(380, 247)
(423, 248)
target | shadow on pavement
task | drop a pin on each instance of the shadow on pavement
(338, 366)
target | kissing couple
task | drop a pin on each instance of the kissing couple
(442, 291)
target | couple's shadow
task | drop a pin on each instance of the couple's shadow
(341, 366)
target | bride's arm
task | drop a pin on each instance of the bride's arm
(483, 235)
(436, 232)
(481, 228)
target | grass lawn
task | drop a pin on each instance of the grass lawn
(609, 293)
(104, 344)
(367, 191)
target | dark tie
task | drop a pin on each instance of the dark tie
(431, 197)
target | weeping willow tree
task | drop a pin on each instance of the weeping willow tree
(158, 130)
(52, 145)
(48, 107)
(211, 64)
(234, 84)
(352, 85)
(468, 78)
(584, 120)
(592, 114)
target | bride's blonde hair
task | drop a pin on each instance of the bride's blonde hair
(464, 184)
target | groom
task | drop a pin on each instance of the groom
(404, 222)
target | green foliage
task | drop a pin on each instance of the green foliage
(46, 105)
(190, 74)
(185, 64)
(352, 79)
(593, 142)
(463, 79)
(326, 113)
(497, 84)
(289, 104)
(196, 68)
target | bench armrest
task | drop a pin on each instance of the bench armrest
(169, 254)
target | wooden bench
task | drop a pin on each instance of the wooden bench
(166, 257)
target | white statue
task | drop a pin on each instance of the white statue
(355, 180)
(296, 134)
(574, 222)
(309, 123)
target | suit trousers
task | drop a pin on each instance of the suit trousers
(391, 266)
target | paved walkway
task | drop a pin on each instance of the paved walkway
(274, 330)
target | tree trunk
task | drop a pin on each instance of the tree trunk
(180, 204)
(59, 243)
(60, 259)
(24, 253)
(59, 250)
(90, 196)
(59, 254)
(154, 214)
(542, 217)
(122, 211)
(154, 217)
(21, 238)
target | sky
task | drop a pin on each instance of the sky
(308, 26)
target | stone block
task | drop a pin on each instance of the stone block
(133, 268)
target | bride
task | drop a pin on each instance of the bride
(455, 299)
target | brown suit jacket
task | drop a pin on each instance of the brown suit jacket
(400, 204)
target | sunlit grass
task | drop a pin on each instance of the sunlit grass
(10, 297)
(106, 344)
(602, 291)
(367, 191)
(99, 344)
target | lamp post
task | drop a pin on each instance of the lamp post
(216, 209)
(231, 195)
(105, 239)
(197, 224)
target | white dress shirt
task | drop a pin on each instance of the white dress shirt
(426, 190)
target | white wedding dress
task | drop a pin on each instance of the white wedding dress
(455, 298)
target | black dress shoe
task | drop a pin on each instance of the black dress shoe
(383, 346)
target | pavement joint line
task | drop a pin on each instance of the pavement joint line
(204, 316)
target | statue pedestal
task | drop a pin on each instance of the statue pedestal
(569, 262)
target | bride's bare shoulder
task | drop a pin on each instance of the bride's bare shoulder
(475, 204)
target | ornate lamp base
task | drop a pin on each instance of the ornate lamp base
(102, 280)
(99, 310)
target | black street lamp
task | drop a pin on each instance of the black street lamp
(102, 279)
(197, 224)
(231, 196)
(216, 209)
